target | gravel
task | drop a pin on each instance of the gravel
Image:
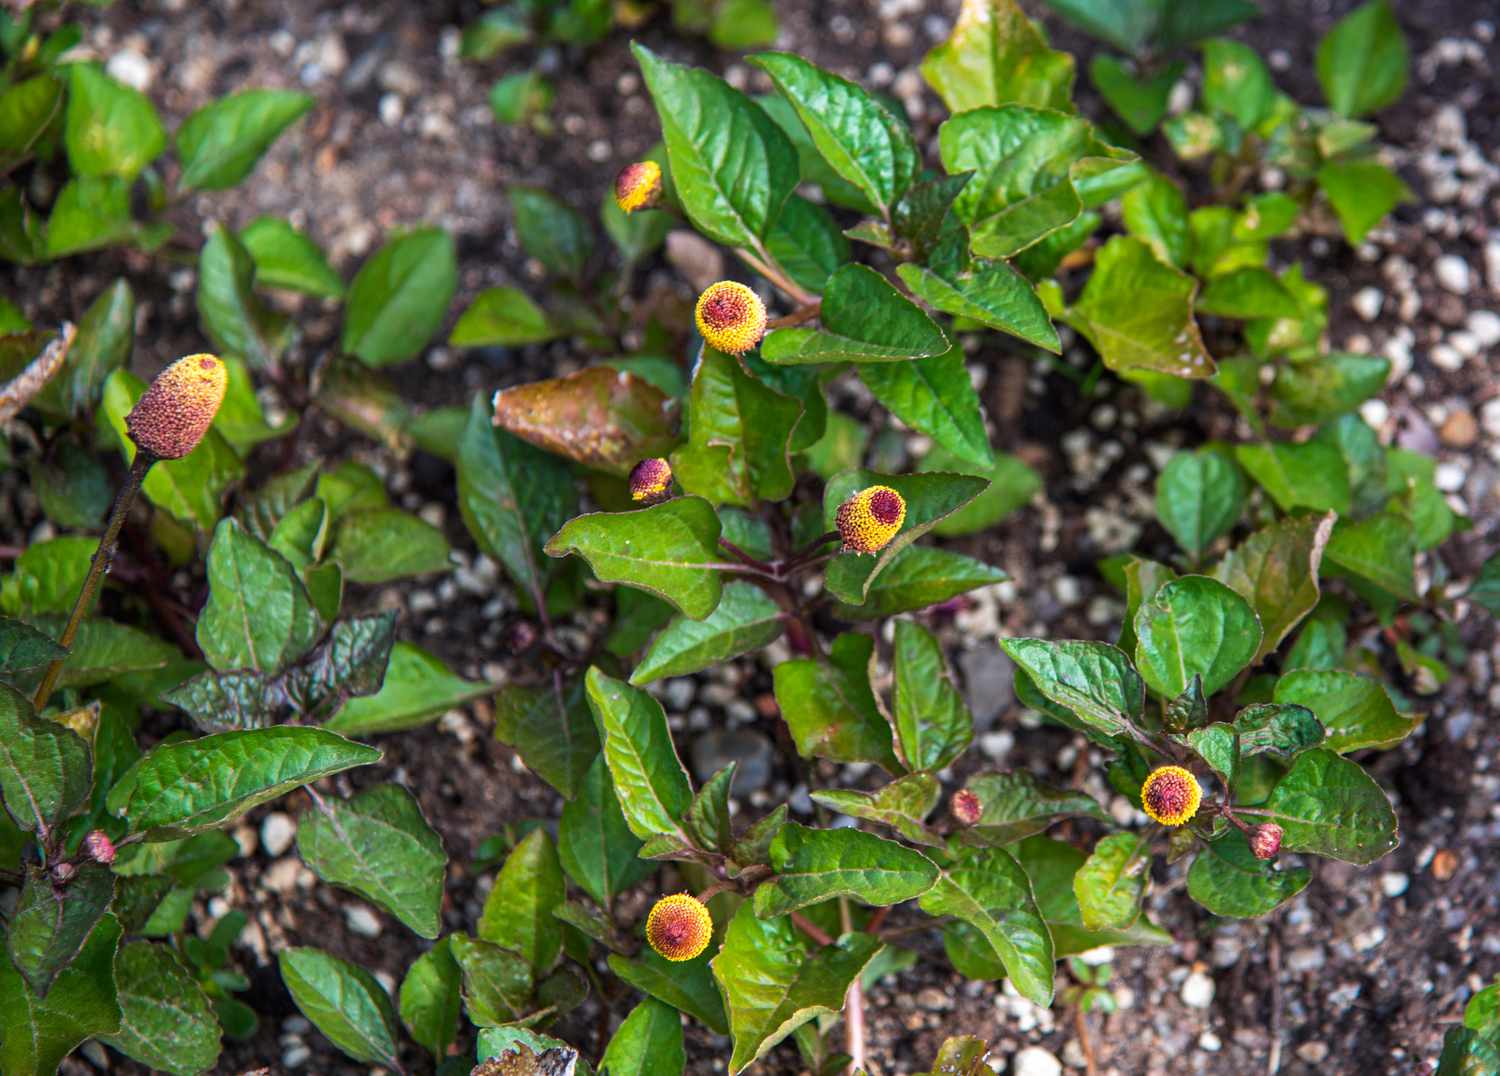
(277, 832)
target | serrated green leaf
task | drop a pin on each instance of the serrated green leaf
(993, 294)
(1228, 880)
(814, 865)
(595, 844)
(865, 319)
(1276, 571)
(400, 296)
(344, 1002)
(36, 1033)
(1329, 806)
(51, 923)
(806, 242)
(746, 620)
(1194, 626)
(44, 767)
(829, 707)
(649, 778)
(902, 804)
(23, 647)
(935, 396)
(497, 984)
(518, 911)
(430, 1000)
(919, 577)
(417, 688)
(933, 724)
(549, 725)
(1095, 681)
(166, 1021)
(1016, 805)
(997, 56)
(1380, 549)
(1356, 711)
(259, 615)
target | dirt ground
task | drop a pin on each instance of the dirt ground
(1361, 973)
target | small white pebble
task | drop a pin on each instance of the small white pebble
(1036, 1061)
(1393, 883)
(277, 831)
(1485, 325)
(362, 921)
(1367, 303)
(1197, 991)
(1452, 273)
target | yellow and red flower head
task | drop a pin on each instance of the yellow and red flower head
(679, 927)
(1171, 795)
(177, 408)
(650, 480)
(638, 186)
(731, 317)
(869, 520)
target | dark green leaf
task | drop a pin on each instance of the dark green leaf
(400, 297)
(649, 778)
(23, 647)
(1307, 475)
(1363, 60)
(497, 983)
(51, 922)
(1310, 393)
(1276, 571)
(259, 615)
(1329, 806)
(739, 435)
(806, 241)
(166, 1021)
(595, 844)
(1379, 549)
(1199, 497)
(417, 688)
(1095, 681)
(997, 56)
(344, 1002)
(687, 986)
(220, 143)
(44, 767)
(829, 707)
(647, 1043)
(383, 544)
(1013, 806)
(36, 1033)
(1051, 866)
(1012, 484)
(933, 724)
(994, 295)
(865, 319)
(1194, 626)
(518, 911)
(935, 396)
(502, 317)
(919, 577)
(745, 620)
(1248, 292)
(1139, 100)
(1228, 880)
(105, 335)
(89, 213)
(814, 865)
(554, 234)
(550, 726)
(1356, 712)
(430, 1000)
(1280, 729)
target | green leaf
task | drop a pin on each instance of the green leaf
(27, 110)
(1361, 193)
(902, 804)
(166, 1021)
(865, 319)
(400, 297)
(814, 865)
(807, 242)
(518, 911)
(23, 647)
(550, 726)
(1034, 171)
(90, 212)
(1327, 805)
(231, 314)
(1194, 626)
(1156, 211)
(188, 786)
(1095, 681)
(554, 234)
(497, 984)
(105, 335)
(919, 577)
(997, 56)
(417, 688)
(51, 922)
(665, 549)
(595, 844)
(379, 845)
(1248, 292)
(1412, 480)
(739, 435)
(647, 1043)
(774, 981)
(1356, 711)
(430, 1000)
(1379, 549)
(1236, 82)
(731, 164)
(1138, 313)
(1307, 475)
(1312, 393)
(1012, 485)
(112, 129)
(37, 1033)
(935, 396)
(1139, 100)
(1280, 729)
(1112, 882)
(344, 1002)
(1468, 1053)
(503, 317)
(687, 986)
(829, 707)
(649, 778)
(930, 498)
(1051, 865)
(287, 258)
(857, 135)
(259, 615)
(745, 620)
(220, 144)
(1363, 60)
(1228, 880)
(1199, 497)
(383, 544)
(933, 724)
(991, 893)
(1276, 571)
(1013, 806)
(993, 294)
(44, 768)
(606, 418)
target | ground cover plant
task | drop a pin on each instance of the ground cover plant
(709, 481)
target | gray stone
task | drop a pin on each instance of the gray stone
(714, 750)
(989, 682)
(277, 832)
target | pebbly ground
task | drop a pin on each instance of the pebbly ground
(1362, 973)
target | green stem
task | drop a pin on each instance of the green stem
(98, 568)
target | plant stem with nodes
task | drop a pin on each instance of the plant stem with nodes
(98, 569)
(854, 1005)
(800, 316)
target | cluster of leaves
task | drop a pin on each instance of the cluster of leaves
(525, 97)
(1474, 1045)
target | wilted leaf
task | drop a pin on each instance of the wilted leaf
(601, 417)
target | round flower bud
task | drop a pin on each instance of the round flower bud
(1265, 840)
(98, 845)
(174, 413)
(638, 186)
(869, 520)
(731, 317)
(650, 480)
(965, 806)
(679, 927)
(1171, 795)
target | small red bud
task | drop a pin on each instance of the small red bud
(62, 873)
(1265, 840)
(651, 480)
(98, 845)
(638, 186)
(869, 519)
(965, 806)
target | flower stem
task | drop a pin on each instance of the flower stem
(98, 568)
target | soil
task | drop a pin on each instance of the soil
(1362, 973)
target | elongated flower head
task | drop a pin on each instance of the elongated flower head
(965, 806)
(731, 317)
(869, 520)
(1265, 840)
(1171, 795)
(638, 186)
(679, 927)
(650, 480)
(177, 408)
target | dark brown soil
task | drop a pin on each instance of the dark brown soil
(1373, 964)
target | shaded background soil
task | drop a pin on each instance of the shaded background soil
(1361, 973)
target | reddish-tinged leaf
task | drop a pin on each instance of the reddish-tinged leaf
(601, 417)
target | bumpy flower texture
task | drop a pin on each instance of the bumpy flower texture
(679, 927)
(869, 520)
(1171, 795)
(731, 317)
(650, 480)
(966, 807)
(1265, 840)
(638, 186)
(177, 408)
